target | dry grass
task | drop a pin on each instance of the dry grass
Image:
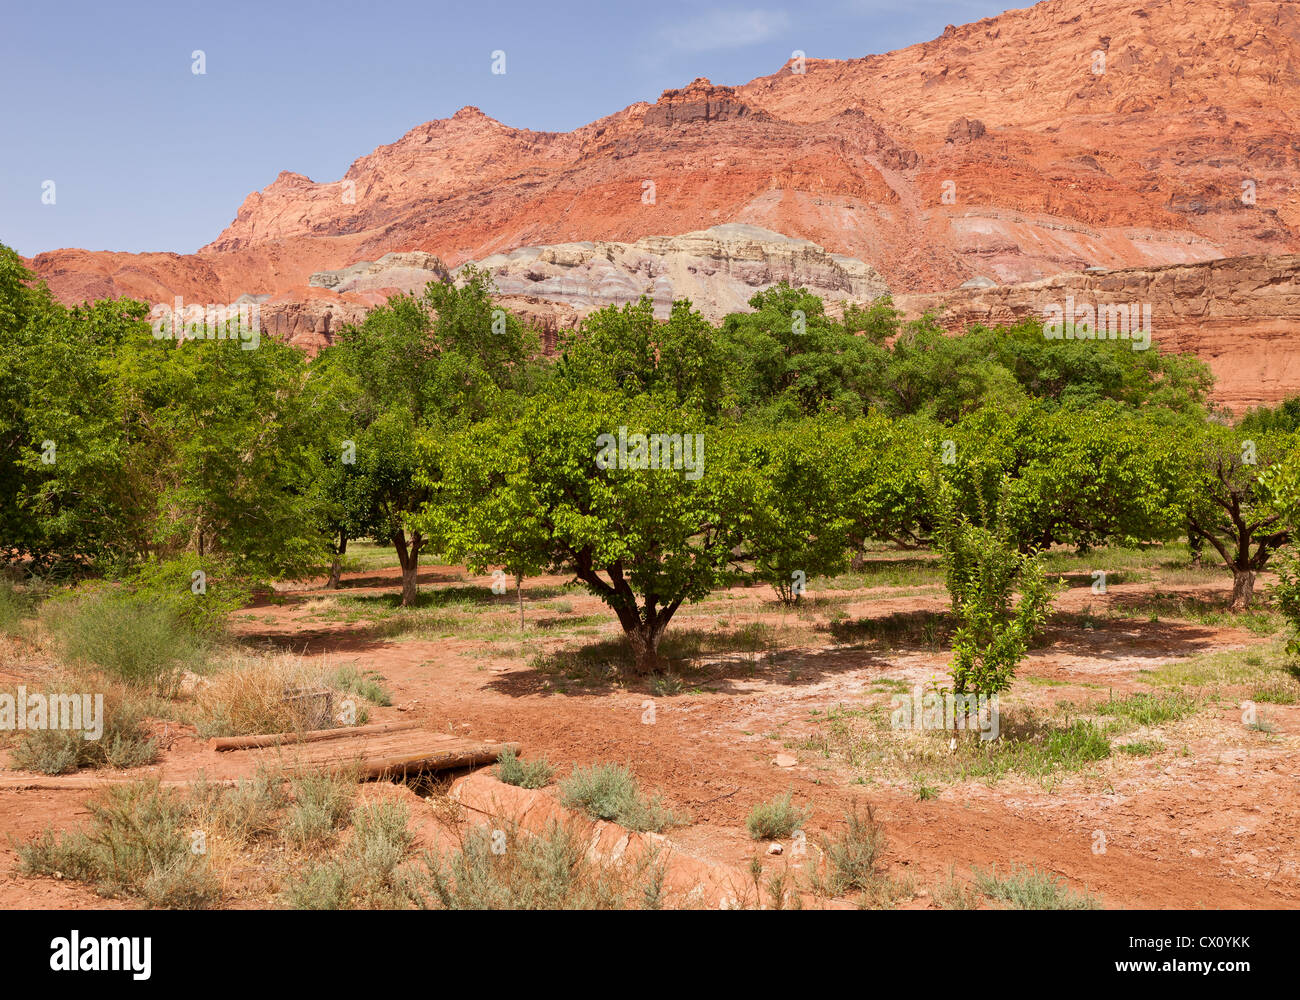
(248, 697)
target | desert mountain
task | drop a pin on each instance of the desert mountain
(1102, 133)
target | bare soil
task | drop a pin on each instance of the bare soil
(1205, 822)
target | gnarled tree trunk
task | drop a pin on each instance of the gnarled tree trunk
(408, 555)
(643, 625)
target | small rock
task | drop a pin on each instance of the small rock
(785, 760)
(775, 848)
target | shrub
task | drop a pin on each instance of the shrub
(172, 584)
(775, 820)
(501, 870)
(123, 742)
(369, 873)
(246, 812)
(141, 643)
(953, 895)
(136, 846)
(853, 856)
(610, 792)
(1032, 889)
(320, 805)
(525, 773)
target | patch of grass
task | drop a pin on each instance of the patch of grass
(953, 895)
(366, 684)
(592, 663)
(1032, 889)
(922, 629)
(1284, 691)
(250, 696)
(680, 652)
(1070, 747)
(888, 571)
(1259, 664)
(1112, 559)
(1215, 613)
(775, 819)
(513, 770)
(15, 607)
(1268, 670)
(1144, 709)
(1141, 748)
(572, 624)
(611, 792)
(1038, 748)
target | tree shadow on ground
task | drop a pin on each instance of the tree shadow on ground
(377, 618)
(343, 638)
(740, 661)
(391, 578)
(691, 661)
(1082, 634)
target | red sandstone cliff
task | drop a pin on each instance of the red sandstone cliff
(1048, 165)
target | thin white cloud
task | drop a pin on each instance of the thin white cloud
(726, 29)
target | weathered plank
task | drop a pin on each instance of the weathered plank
(224, 743)
(392, 754)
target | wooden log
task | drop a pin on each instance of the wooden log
(437, 760)
(312, 736)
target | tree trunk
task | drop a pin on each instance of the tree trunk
(643, 627)
(1243, 588)
(645, 646)
(409, 558)
(1194, 544)
(519, 591)
(336, 564)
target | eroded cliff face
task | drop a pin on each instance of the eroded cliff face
(1241, 315)
(1047, 140)
(718, 269)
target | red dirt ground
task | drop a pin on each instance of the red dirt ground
(1207, 824)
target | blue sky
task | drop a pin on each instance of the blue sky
(147, 155)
